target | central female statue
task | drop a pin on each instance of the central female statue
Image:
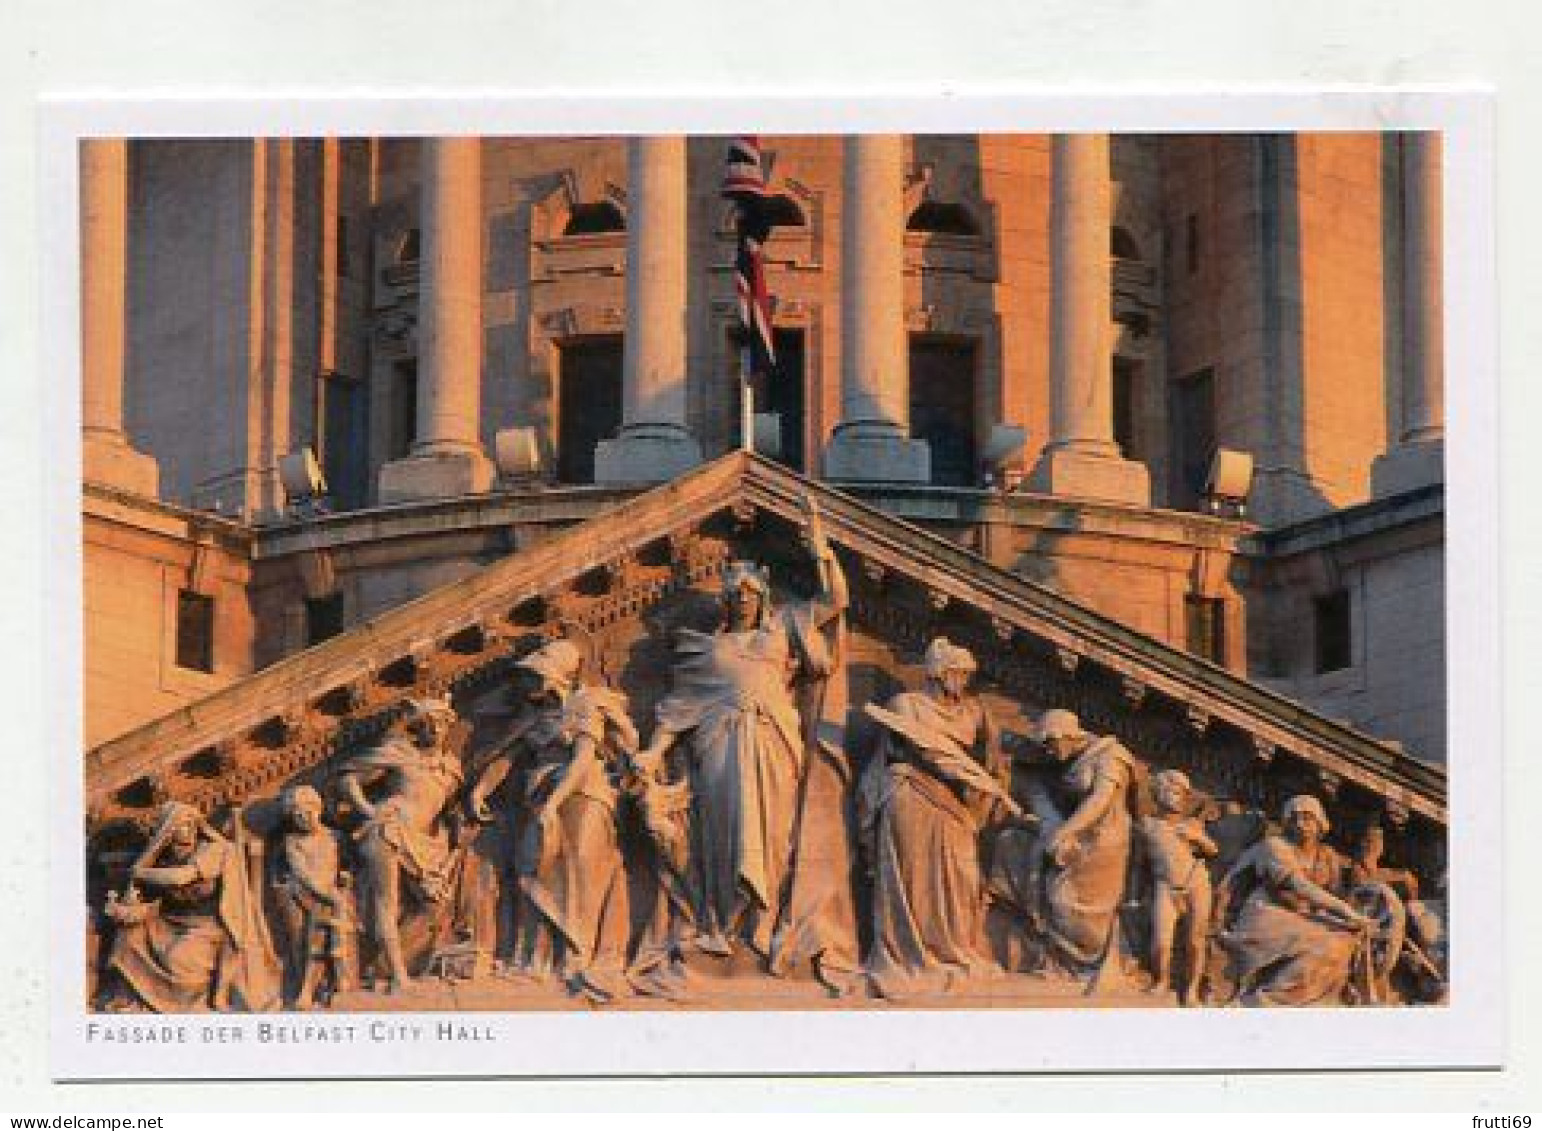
(736, 704)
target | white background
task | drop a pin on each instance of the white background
(796, 48)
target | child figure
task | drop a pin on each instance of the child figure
(317, 902)
(1180, 892)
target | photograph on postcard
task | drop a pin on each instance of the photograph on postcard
(719, 573)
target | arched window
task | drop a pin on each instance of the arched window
(783, 212)
(594, 219)
(942, 219)
(1122, 245)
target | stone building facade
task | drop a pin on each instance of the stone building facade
(1125, 305)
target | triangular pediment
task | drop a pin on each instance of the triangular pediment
(623, 580)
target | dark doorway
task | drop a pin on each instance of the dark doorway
(323, 618)
(1191, 413)
(942, 407)
(404, 410)
(588, 403)
(782, 392)
(345, 441)
(1126, 400)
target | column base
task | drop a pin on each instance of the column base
(876, 452)
(1408, 467)
(646, 453)
(435, 475)
(110, 461)
(1080, 474)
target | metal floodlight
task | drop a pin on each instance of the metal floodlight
(517, 454)
(304, 485)
(1229, 482)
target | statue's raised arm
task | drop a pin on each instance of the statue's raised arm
(832, 598)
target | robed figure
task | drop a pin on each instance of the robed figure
(748, 748)
(936, 781)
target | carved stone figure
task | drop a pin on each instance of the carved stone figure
(199, 942)
(734, 709)
(936, 779)
(573, 914)
(1179, 892)
(1070, 878)
(315, 902)
(1289, 935)
(403, 842)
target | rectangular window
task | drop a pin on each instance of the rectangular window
(588, 403)
(1191, 420)
(1191, 242)
(342, 246)
(323, 618)
(1331, 625)
(942, 407)
(195, 631)
(780, 392)
(1126, 397)
(404, 410)
(1206, 627)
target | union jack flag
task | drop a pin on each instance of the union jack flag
(744, 183)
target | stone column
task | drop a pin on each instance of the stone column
(872, 442)
(1417, 458)
(1081, 458)
(653, 444)
(447, 457)
(107, 457)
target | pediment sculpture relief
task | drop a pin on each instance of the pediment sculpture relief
(733, 797)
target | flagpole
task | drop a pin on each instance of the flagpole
(746, 402)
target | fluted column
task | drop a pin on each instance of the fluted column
(107, 456)
(447, 457)
(1417, 457)
(1081, 458)
(653, 444)
(872, 441)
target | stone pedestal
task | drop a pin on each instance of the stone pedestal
(107, 457)
(1082, 460)
(876, 452)
(1091, 475)
(447, 457)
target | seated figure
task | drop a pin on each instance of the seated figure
(199, 941)
(1289, 934)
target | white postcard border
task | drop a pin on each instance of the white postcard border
(1466, 1033)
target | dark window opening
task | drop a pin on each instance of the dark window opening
(1191, 418)
(1122, 245)
(345, 441)
(594, 219)
(942, 408)
(410, 250)
(943, 219)
(323, 618)
(1205, 630)
(342, 246)
(1191, 242)
(404, 410)
(588, 403)
(782, 392)
(1126, 398)
(195, 631)
(783, 212)
(1331, 625)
